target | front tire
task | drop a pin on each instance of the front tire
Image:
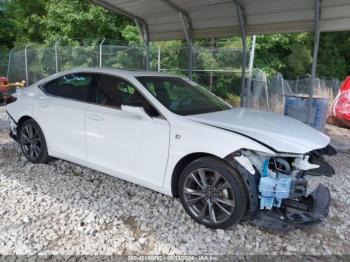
(213, 193)
(32, 142)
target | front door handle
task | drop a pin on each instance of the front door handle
(95, 117)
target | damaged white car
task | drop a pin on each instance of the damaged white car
(169, 134)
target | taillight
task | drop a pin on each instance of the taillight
(10, 99)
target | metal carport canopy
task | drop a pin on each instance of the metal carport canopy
(187, 19)
(215, 18)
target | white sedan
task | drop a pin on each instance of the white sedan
(169, 134)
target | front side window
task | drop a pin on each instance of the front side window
(73, 86)
(181, 97)
(115, 92)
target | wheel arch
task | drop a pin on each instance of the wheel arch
(22, 120)
(181, 165)
(42, 155)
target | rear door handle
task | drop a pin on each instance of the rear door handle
(95, 117)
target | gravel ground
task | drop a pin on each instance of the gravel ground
(340, 137)
(62, 208)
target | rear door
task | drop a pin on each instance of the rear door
(61, 113)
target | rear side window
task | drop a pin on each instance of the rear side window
(79, 87)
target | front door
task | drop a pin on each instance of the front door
(122, 143)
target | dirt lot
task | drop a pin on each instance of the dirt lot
(62, 208)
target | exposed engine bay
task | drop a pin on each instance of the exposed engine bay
(285, 190)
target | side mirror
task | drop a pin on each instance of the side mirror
(136, 111)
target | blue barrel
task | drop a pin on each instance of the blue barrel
(296, 106)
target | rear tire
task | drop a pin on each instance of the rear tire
(32, 142)
(213, 193)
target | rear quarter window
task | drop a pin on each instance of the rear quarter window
(72, 86)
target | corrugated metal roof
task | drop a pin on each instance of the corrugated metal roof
(214, 18)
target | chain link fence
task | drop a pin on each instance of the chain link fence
(204, 59)
(4, 59)
(34, 63)
(131, 57)
(216, 68)
(268, 93)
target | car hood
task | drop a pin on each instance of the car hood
(281, 133)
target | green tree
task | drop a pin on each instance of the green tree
(80, 19)
(131, 34)
(289, 54)
(26, 18)
(82, 23)
(334, 55)
(7, 28)
(298, 62)
(46, 21)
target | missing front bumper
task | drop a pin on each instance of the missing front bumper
(13, 136)
(296, 214)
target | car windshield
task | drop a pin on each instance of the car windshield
(182, 97)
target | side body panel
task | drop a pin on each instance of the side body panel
(126, 145)
(150, 154)
(189, 137)
(22, 107)
(63, 123)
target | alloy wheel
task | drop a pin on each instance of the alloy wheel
(208, 196)
(31, 141)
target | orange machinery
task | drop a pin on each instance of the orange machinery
(4, 89)
(5, 85)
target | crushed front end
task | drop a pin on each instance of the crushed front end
(285, 190)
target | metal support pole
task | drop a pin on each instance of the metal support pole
(190, 61)
(147, 56)
(212, 44)
(187, 27)
(317, 10)
(267, 95)
(241, 20)
(282, 84)
(101, 45)
(158, 59)
(143, 30)
(9, 64)
(26, 63)
(250, 70)
(296, 85)
(56, 55)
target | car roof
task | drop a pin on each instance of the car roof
(119, 72)
(110, 71)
